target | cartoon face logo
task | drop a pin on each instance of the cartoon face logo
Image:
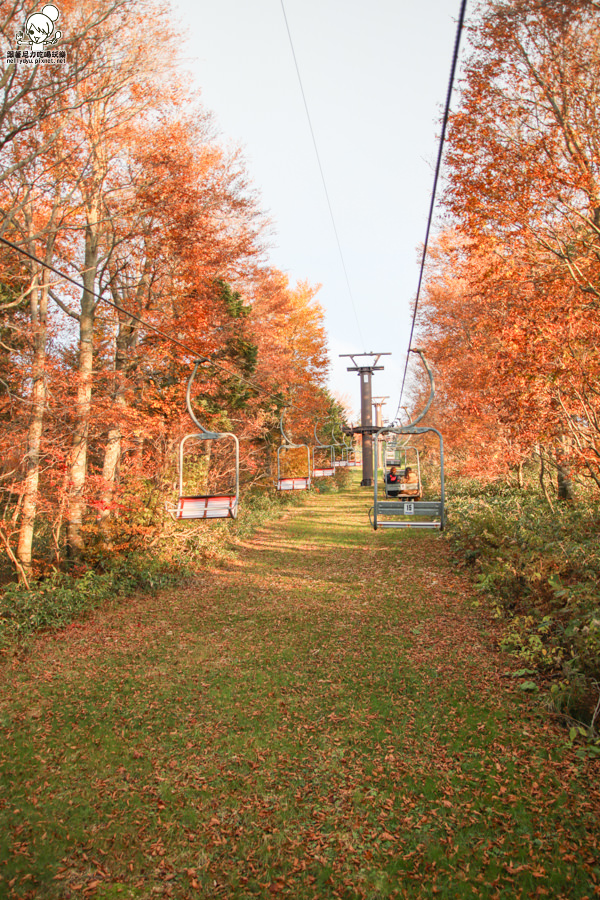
(38, 29)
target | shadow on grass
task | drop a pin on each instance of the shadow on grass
(319, 716)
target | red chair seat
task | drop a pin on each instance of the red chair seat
(207, 507)
(292, 484)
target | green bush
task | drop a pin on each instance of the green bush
(55, 601)
(539, 569)
(332, 484)
(180, 549)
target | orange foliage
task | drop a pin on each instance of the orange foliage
(510, 315)
(112, 173)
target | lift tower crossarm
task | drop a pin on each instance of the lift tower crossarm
(357, 367)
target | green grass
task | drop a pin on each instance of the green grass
(321, 714)
(103, 576)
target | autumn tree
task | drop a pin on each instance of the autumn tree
(196, 225)
(124, 186)
(41, 97)
(512, 309)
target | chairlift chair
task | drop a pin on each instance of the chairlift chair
(405, 456)
(351, 460)
(205, 506)
(392, 451)
(406, 512)
(342, 460)
(322, 470)
(296, 482)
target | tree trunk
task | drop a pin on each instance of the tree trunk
(520, 475)
(83, 402)
(112, 458)
(38, 308)
(542, 481)
(126, 340)
(564, 484)
(563, 476)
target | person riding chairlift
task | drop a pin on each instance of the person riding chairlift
(410, 482)
(393, 481)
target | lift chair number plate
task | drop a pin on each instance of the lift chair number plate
(409, 509)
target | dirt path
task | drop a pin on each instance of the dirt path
(323, 715)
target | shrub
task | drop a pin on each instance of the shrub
(539, 569)
(56, 600)
(130, 565)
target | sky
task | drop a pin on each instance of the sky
(351, 214)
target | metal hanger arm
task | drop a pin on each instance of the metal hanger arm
(431, 388)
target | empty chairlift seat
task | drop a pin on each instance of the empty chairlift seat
(221, 505)
(207, 507)
(343, 460)
(293, 484)
(323, 472)
(323, 467)
(286, 480)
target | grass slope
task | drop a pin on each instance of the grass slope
(324, 715)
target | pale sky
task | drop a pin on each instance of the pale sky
(375, 78)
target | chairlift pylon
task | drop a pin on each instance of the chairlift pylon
(205, 506)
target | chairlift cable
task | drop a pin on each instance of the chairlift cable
(314, 140)
(453, 68)
(148, 325)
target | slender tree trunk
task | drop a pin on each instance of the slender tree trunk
(59, 518)
(124, 344)
(94, 230)
(542, 480)
(112, 458)
(112, 452)
(38, 305)
(38, 302)
(563, 477)
(520, 475)
(83, 402)
(564, 484)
